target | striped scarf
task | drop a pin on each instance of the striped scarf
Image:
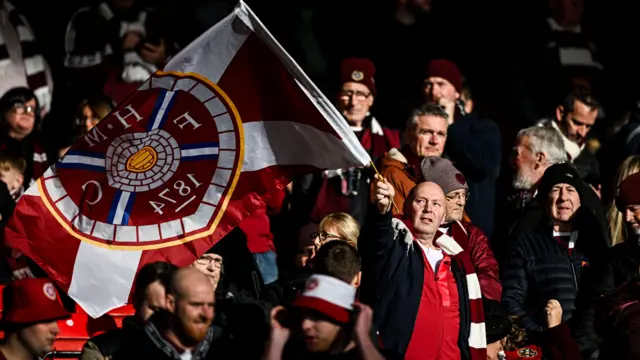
(477, 340)
(21, 63)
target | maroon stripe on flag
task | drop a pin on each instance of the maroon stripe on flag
(263, 90)
(38, 235)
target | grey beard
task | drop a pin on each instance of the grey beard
(522, 182)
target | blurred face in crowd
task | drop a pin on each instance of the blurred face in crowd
(528, 166)
(319, 331)
(576, 124)
(427, 208)
(632, 218)
(39, 338)
(428, 135)
(154, 300)
(21, 119)
(563, 201)
(325, 235)
(192, 306)
(440, 91)
(567, 13)
(211, 266)
(90, 119)
(354, 101)
(455, 205)
(13, 178)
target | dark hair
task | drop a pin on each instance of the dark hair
(150, 273)
(579, 93)
(18, 95)
(337, 259)
(100, 104)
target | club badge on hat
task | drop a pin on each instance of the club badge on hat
(49, 291)
(357, 75)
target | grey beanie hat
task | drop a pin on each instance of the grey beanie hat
(442, 172)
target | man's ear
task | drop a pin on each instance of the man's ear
(20, 180)
(560, 113)
(171, 303)
(356, 280)
(541, 159)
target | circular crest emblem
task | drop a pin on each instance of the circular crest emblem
(312, 284)
(527, 353)
(49, 291)
(157, 172)
(357, 75)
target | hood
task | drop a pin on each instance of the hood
(394, 158)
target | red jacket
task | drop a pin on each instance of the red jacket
(482, 257)
(257, 227)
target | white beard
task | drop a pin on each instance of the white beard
(522, 182)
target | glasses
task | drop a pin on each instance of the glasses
(21, 109)
(323, 235)
(459, 196)
(206, 260)
(360, 95)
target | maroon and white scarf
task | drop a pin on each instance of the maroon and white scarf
(458, 252)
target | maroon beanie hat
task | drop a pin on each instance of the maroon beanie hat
(358, 70)
(628, 192)
(447, 70)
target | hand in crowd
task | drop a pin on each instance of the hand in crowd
(554, 313)
(279, 332)
(364, 322)
(384, 194)
(131, 39)
(155, 54)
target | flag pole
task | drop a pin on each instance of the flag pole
(383, 180)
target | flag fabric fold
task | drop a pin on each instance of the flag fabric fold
(230, 120)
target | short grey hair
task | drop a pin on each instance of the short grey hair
(429, 109)
(545, 140)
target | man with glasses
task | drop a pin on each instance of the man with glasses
(210, 264)
(454, 185)
(347, 190)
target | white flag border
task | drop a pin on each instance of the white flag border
(324, 106)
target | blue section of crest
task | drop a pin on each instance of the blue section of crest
(114, 208)
(158, 106)
(81, 160)
(127, 209)
(197, 157)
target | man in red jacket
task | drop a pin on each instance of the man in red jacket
(454, 185)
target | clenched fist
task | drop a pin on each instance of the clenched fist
(554, 313)
(384, 194)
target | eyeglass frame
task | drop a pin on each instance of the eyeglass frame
(21, 109)
(323, 235)
(359, 95)
(208, 260)
(458, 196)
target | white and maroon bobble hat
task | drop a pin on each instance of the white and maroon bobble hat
(329, 296)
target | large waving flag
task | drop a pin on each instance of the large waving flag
(179, 164)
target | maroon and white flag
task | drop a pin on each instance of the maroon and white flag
(179, 164)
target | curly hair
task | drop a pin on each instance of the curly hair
(517, 336)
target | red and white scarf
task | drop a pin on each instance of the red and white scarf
(477, 335)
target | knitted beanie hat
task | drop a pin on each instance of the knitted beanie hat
(442, 172)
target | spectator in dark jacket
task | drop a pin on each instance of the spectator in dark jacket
(420, 281)
(622, 263)
(555, 261)
(149, 297)
(473, 144)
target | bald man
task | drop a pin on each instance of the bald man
(417, 305)
(184, 330)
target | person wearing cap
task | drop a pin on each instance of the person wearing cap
(331, 322)
(347, 190)
(31, 310)
(456, 191)
(557, 260)
(425, 135)
(473, 143)
(622, 263)
(420, 282)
